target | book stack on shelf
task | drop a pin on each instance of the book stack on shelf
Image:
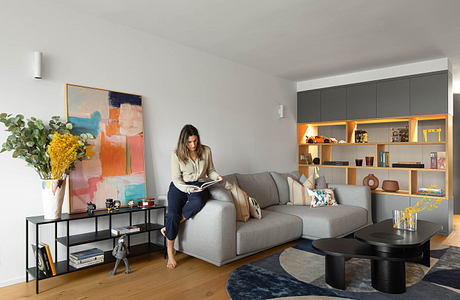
(45, 260)
(86, 258)
(408, 164)
(431, 191)
(125, 229)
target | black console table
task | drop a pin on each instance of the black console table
(63, 267)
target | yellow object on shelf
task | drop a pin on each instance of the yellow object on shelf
(438, 130)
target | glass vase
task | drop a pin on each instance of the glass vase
(404, 221)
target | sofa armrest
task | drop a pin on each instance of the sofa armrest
(211, 234)
(356, 195)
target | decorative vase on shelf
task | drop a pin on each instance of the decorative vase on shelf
(53, 192)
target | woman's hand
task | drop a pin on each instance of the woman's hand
(220, 178)
(196, 190)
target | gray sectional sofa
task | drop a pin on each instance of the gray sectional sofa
(215, 236)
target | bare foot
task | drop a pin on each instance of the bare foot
(171, 264)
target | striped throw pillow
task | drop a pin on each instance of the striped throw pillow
(297, 192)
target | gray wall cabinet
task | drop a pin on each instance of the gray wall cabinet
(383, 206)
(362, 101)
(334, 104)
(422, 94)
(428, 94)
(308, 106)
(393, 98)
(443, 214)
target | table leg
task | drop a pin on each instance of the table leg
(388, 276)
(335, 271)
(426, 254)
(27, 250)
(36, 258)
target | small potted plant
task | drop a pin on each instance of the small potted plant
(51, 150)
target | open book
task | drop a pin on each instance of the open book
(203, 186)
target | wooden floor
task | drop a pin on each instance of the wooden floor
(193, 278)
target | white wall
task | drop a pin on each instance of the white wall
(233, 106)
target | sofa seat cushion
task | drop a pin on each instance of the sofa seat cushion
(327, 221)
(272, 230)
(260, 186)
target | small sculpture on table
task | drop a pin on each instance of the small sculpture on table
(131, 203)
(109, 204)
(116, 204)
(90, 208)
(120, 252)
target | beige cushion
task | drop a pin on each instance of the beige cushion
(297, 192)
(241, 201)
(254, 208)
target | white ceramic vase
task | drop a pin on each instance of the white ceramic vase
(52, 196)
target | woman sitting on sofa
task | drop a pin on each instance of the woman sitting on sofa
(191, 164)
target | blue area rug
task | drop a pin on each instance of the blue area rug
(298, 273)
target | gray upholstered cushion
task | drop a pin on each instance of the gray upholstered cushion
(282, 184)
(327, 221)
(272, 230)
(259, 186)
(356, 195)
(321, 183)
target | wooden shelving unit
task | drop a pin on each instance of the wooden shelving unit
(324, 150)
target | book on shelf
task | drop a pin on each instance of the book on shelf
(85, 260)
(411, 165)
(41, 260)
(433, 160)
(431, 191)
(441, 161)
(125, 229)
(384, 159)
(49, 258)
(86, 264)
(86, 254)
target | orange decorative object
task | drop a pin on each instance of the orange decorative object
(320, 139)
(368, 179)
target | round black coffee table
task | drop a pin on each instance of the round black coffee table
(386, 247)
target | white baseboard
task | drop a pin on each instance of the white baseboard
(13, 281)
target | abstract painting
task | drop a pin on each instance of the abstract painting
(116, 166)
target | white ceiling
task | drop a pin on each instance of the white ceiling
(296, 39)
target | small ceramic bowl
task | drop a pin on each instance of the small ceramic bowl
(390, 185)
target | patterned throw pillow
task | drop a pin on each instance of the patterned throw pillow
(254, 208)
(240, 200)
(297, 192)
(322, 197)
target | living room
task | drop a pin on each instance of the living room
(237, 72)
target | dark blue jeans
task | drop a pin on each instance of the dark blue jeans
(182, 204)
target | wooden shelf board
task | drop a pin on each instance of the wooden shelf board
(381, 120)
(376, 168)
(397, 193)
(376, 143)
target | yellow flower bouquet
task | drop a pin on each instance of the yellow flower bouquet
(52, 150)
(407, 218)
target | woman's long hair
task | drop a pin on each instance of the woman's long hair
(182, 150)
